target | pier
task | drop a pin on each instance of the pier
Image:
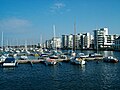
(29, 61)
(37, 61)
(91, 59)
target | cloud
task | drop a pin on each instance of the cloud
(57, 7)
(14, 24)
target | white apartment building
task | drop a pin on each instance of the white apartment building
(85, 40)
(56, 42)
(70, 41)
(64, 41)
(102, 39)
(117, 43)
(67, 41)
(99, 37)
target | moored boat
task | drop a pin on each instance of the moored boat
(50, 61)
(82, 55)
(94, 55)
(24, 57)
(77, 60)
(53, 57)
(9, 62)
(2, 58)
(110, 59)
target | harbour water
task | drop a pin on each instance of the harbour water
(63, 76)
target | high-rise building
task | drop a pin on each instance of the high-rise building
(102, 39)
(85, 40)
(117, 44)
(70, 41)
(99, 37)
(56, 42)
(64, 41)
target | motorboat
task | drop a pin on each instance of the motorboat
(94, 55)
(49, 61)
(82, 55)
(110, 59)
(53, 57)
(2, 58)
(77, 60)
(24, 57)
(44, 55)
(9, 62)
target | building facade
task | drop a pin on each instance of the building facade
(104, 40)
(117, 44)
(64, 41)
(99, 37)
(85, 41)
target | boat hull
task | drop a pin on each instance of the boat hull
(50, 62)
(77, 61)
(9, 64)
(110, 59)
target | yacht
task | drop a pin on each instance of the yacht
(9, 62)
(110, 59)
(77, 60)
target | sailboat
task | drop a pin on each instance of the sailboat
(2, 42)
(96, 55)
(76, 59)
(52, 58)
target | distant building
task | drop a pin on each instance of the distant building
(104, 40)
(85, 40)
(99, 37)
(67, 41)
(117, 44)
(76, 41)
(64, 41)
(91, 42)
(70, 41)
(56, 42)
(48, 44)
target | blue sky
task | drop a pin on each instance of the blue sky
(22, 20)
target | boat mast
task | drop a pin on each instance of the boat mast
(41, 41)
(74, 37)
(2, 42)
(97, 43)
(25, 45)
(54, 44)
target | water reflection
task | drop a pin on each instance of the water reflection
(83, 68)
(64, 76)
(109, 75)
(8, 68)
(108, 53)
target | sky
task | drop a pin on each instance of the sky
(29, 20)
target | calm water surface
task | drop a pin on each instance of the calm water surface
(64, 76)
